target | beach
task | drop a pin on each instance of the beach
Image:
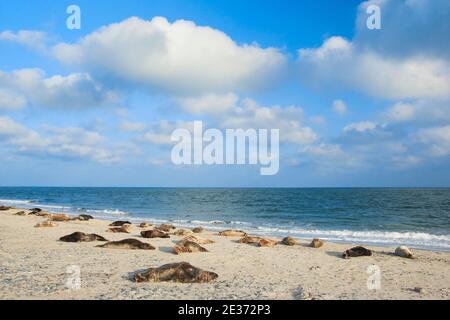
(36, 265)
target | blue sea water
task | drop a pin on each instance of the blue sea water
(418, 218)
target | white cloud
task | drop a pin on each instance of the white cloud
(338, 64)
(228, 111)
(71, 142)
(421, 111)
(72, 91)
(339, 107)
(179, 57)
(10, 100)
(435, 139)
(31, 39)
(362, 126)
(210, 104)
(130, 126)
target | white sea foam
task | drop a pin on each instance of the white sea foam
(15, 202)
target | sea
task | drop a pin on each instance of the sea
(415, 217)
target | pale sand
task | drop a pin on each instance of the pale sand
(33, 266)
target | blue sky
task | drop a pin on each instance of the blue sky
(96, 106)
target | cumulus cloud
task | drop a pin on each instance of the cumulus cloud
(67, 143)
(362, 126)
(179, 58)
(23, 87)
(31, 86)
(408, 58)
(338, 63)
(228, 111)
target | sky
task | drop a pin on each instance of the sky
(96, 106)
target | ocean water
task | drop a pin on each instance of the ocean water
(419, 218)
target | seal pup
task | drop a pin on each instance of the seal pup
(132, 244)
(357, 252)
(84, 217)
(82, 237)
(20, 213)
(182, 272)
(155, 233)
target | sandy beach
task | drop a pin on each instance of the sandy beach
(34, 265)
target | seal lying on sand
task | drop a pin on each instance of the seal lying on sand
(46, 224)
(316, 243)
(250, 240)
(357, 252)
(59, 217)
(404, 252)
(20, 213)
(154, 234)
(166, 227)
(125, 228)
(119, 223)
(82, 237)
(267, 243)
(195, 239)
(233, 233)
(145, 225)
(84, 217)
(188, 247)
(182, 272)
(289, 241)
(198, 230)
(182, 232)
(132, 244)
(4, 208)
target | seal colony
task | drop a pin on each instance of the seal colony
(166, 253)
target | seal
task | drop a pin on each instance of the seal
(123, 229)
(182, 272)
(5, 208)
(119, 223)
(233, 233)
(155, 233)
(82, 237)
(145, 225)
(132, 244)
(198, 230)
(404, 252)
(195, 239)
(59, 217)
(267, 243)
(181, 232)
(46, 224)
(84, 217)
(357, 252)
(316, 243)
(289, 241)
(188, 247)
(166, 227)
(250, 240)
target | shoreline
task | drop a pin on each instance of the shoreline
(34, 266)
(331, 235)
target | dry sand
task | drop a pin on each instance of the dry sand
(33, 265)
